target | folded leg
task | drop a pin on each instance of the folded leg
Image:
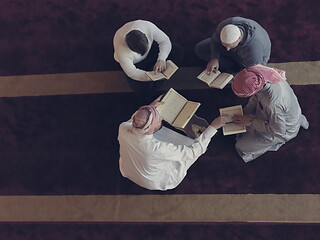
(250, 146)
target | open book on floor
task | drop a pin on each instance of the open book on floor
(230, 127)
(166, 74)
(215, 80)
(178, 112)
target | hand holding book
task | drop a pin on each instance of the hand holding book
(160, 66)
(244, 120)
(170, 69)
(212, 66)
(219, 122)
(157, 102)
(231, 126)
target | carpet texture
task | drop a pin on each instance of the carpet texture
(68, 145)
(160, 231)
(45, 36)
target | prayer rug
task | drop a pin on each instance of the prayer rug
(76, 36)
(61, 145)
(158, 231)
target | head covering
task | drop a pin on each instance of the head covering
(252, 79)
(229, 34)
(145, 119)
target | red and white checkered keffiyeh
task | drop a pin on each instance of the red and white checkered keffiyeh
(145, 119)
(252, 79)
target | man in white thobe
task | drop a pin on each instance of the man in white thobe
(158, 164)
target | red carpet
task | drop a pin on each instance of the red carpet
(158, 231)
(76, 36)
(68, 145)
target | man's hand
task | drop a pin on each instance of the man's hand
(157, 102)
(219, 122)
(244, 120)
(213, 66)
(160, 66)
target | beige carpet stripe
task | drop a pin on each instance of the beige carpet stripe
(114, 81)
(283, 208)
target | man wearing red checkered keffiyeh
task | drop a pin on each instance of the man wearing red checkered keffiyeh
(273, 114)
(158, 159)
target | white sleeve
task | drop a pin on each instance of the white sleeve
(132, 71)
(194, 151)
(163, 40)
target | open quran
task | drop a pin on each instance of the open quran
(230, 127)
(215, 80)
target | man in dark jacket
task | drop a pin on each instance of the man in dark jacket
(237, 43)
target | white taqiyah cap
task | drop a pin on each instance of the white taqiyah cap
(229, 34)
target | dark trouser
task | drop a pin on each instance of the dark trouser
(146, 92)
(227, 62)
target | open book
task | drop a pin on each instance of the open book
(215, 80)
(166, 74)
(176, 109)
(230, 127)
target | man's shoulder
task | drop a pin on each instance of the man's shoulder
(135, 24)
(125, 126)
(123, 53)
(253, 43)
(142, 21)
(274, 93)
(141, 24)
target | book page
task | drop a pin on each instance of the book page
(230, 127)
(185, 114)
(208, 78)
(173, 104)
(155, 76)
(170, 70)
(222, 80)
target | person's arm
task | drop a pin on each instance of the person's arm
(165, 47)
(132, 71)
(275, 126)
(250, 108)
(195, 150)
(213, 66)
(190, 153)
(163, 41)
(160, 66)
(214, 44)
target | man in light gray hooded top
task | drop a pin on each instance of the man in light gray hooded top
(237, 43)
(273, 114)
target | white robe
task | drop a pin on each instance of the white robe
(158, 161)
(277, 119)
